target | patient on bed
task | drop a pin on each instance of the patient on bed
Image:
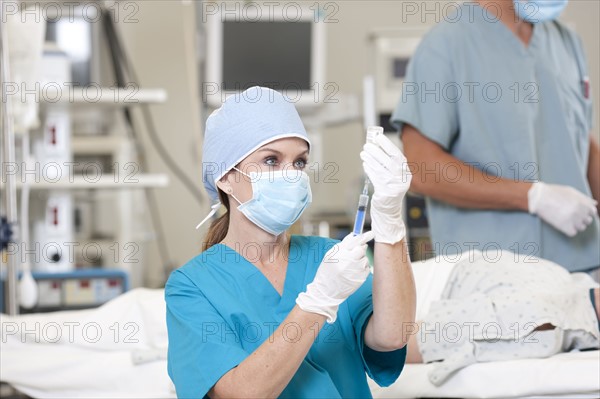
(506, 307)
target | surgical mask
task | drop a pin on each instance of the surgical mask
(536, 11)
(278, 199)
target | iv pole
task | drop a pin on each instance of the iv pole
(7, 147)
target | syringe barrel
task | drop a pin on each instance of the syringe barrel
(363, 199)
(359, 220)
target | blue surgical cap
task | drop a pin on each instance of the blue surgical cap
(244, 123)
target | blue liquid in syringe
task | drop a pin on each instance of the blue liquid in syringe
(363, 201)
(359, 221)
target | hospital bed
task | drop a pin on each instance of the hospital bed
(119, 351)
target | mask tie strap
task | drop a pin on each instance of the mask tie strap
(214, 208)
(235, 198)
(245, 174)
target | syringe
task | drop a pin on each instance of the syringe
(363, 200)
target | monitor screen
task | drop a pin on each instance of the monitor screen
(399, 67)
(260, 53)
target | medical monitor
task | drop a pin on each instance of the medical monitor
(276, 49)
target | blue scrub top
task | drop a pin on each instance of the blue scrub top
(512, 111)
(221, 308)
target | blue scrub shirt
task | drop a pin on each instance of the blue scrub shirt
(221, 308)
(512, 111)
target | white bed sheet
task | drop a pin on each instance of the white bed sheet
(88, 365)
(569, 375)
(62, 372)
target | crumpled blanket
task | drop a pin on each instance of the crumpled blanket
(493, 302)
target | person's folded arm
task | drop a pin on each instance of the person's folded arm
(472, 188)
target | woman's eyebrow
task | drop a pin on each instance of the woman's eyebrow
(267, 149)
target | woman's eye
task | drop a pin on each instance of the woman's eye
(271, 161)
(300, 163)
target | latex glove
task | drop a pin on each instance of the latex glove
(562, 207)
(387, 168)
(343, 270)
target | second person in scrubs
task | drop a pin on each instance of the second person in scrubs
(496, 119)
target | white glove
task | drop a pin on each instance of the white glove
(562, 207)
(387, 168)
(343, 270)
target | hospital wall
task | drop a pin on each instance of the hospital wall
(163, 46)
(163, 49)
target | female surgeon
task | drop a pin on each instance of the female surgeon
(246, 317)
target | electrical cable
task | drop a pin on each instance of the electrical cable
(122, 67)
(152, 131)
